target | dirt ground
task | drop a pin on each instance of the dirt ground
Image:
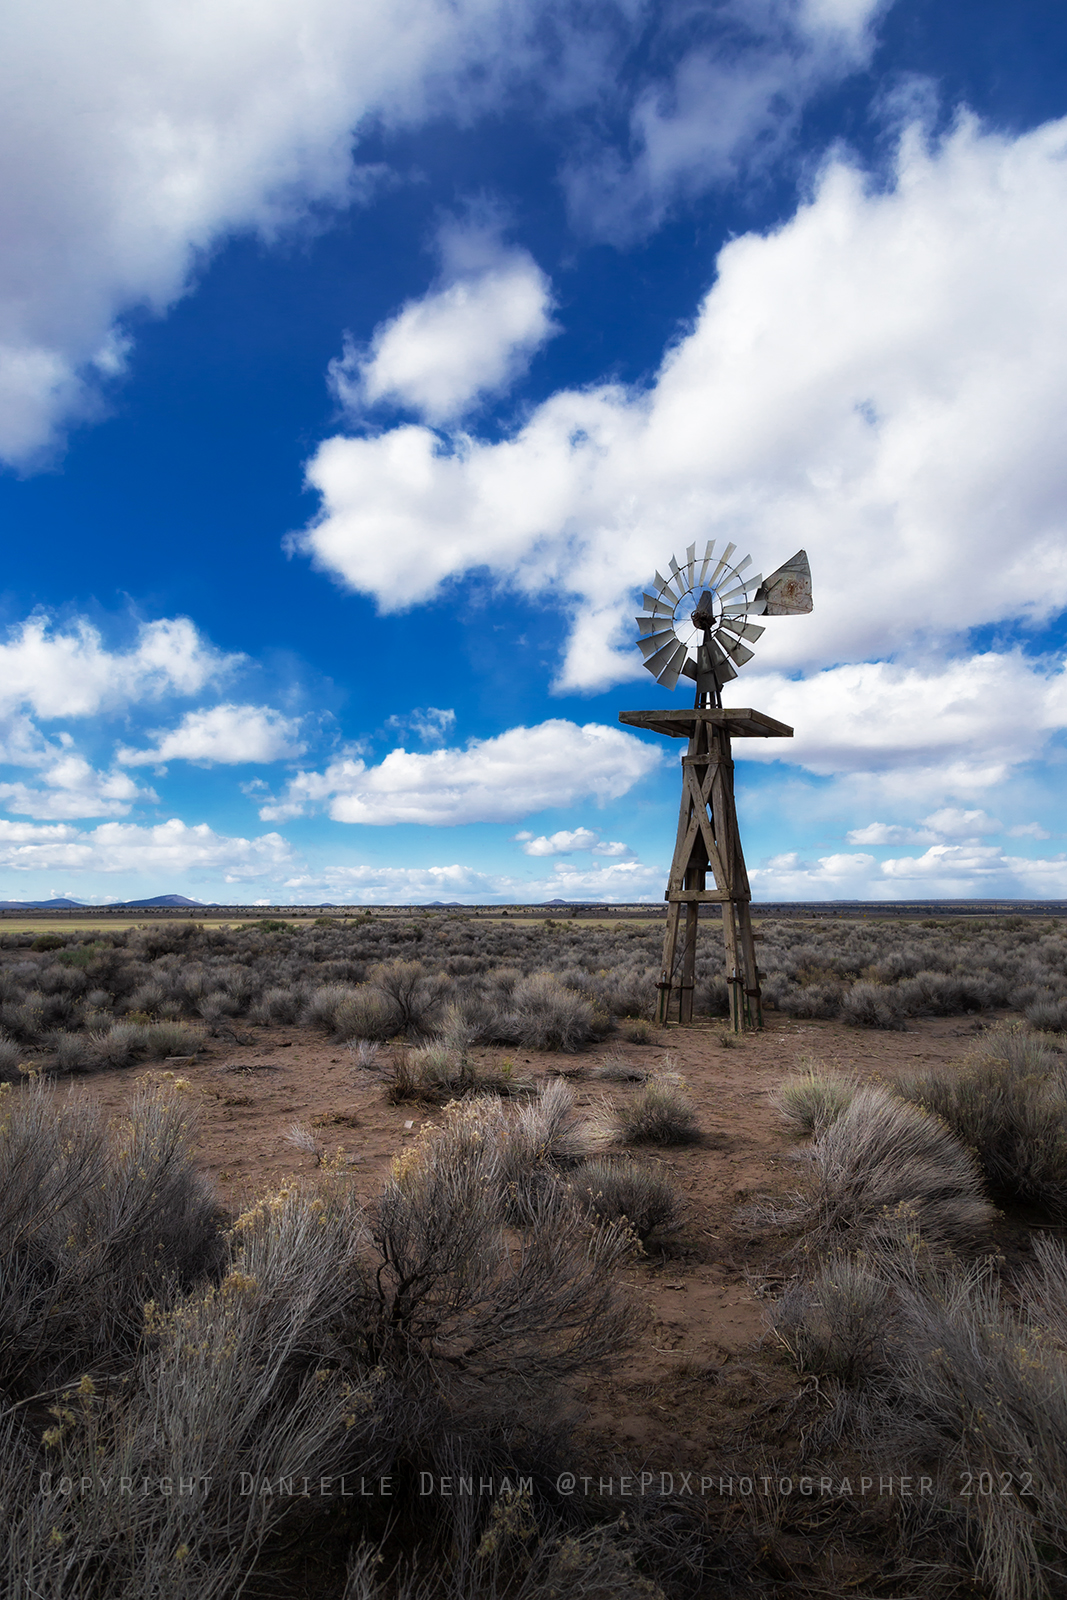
(705, 1388)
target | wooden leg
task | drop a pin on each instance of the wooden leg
(733, 967)
(670, 943)
(753, 1010)
(689, 964)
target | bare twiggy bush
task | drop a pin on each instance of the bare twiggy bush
(622, 1189)
(811, 1101)
(883, 1160)
(414, 995)
(431, 1332)
(1008, 1104)
(473, 1318)
(660, 1113)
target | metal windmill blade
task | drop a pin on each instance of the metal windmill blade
(695, 623)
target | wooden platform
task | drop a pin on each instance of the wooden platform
(739, 723)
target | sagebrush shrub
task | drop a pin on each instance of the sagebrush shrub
(618, 1188)
(872, 1005)
(93, 1222)
(882, 1160)
(10, 1058)
(935, 1365)
(811, 1101)
(659, 1113)
(544, 1014)
(1008, 1103)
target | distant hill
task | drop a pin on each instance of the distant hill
(161, 900)
(41, 905)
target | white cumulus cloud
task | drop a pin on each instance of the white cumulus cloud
(944, 871)
(567, 841)
(469, 338)
(947, 824)
(964, 723)
(70, 787)
(164, 852)
(377, 885)
(880, 380)
(730, 104)
(515, 774)
(223, 734)
(133, 135)
(67, 671)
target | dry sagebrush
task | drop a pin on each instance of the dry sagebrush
(883, 1159)
(436, 1329)
(1008, 1103)
(931, 1365)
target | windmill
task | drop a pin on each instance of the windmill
(696, 624)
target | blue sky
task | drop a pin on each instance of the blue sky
(359, 364)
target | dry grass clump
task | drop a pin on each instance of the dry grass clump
(638, 1031)
(616, 1189)
(1008, 1104)
(881, 1159)
(616, 1069)
(660, 1113)
(811, 1101)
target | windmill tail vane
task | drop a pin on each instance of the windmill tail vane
(696, 624)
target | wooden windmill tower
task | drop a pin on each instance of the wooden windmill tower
(695, 626)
